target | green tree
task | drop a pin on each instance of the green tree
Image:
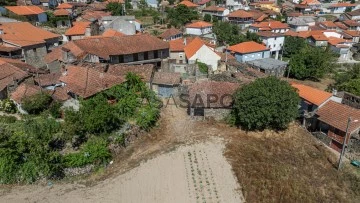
(352, 86)
(37, 103)
(215, 20)
(348, 80)
(352, 1)
(293, 45)
(180, 15)
(115, 8)
(311, 63)
(250, 36)
(348, 9)
(266, 103)
(7, 3)
(207, 17)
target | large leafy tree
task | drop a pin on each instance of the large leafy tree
(115, 8)
(266, 103)
(293, 45)
(180, 15)
(228, 33)
(7, 3)
(348, 80)
(311, 63)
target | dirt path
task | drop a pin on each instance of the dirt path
(176, 165)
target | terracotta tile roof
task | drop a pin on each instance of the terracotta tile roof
(23, 91)
(223, 56)
(192, 47)
(48, 79)
(166, 78)
(352, 33)
(240, 14)
(319, 37)
(79, 28)
(258, 16)
(112, 33)
(188, 4)
(214, 8)
(294, 14)
(247, 47)
(177, 45)
(169, 33)
(310, 2)
(270, 25)
(199, 24)
(10, 73)
(328, 24)
(65, 6)
(144, 71)
(25, 10)
(351, 23)
(342, 5)
(312, 95)
(291, 33)
(61, 12)
(24, 34)
(337, 115)
(87, 82)
(55, 54)
(335, 41)
(341, 25)
(22, 65)
(202, 2)
(220, 89)
(105, 47)
(60, 94)
(90, 15)
(9, 49)
(269, 34)
(316, 27)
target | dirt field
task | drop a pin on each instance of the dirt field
(182, 161)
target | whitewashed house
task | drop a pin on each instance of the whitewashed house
(199, 28)
(273, 41)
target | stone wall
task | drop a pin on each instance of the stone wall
(217, 114)
(35, 55)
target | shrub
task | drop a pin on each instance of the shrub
(207, 17)
(94, 151)
(202, 67)
(37, 103)
(265, 103)
(8, 119)
(55, 110)
(147, 117)
(8, 106)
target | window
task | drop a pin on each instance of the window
(34, 49)
(181, 55)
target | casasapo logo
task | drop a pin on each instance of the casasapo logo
(199, 100)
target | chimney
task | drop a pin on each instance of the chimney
(1, 31)
(334, 92)
(185, 41)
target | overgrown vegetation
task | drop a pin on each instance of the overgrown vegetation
(30, 148)
(266, 103)
(347, 80)
(308, 62)
(204, 69)
(229, 34)
(180, 15)
(7, 106)
(289, 167)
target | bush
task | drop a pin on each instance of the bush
(37, 103)
(94, 151)
(207, 17)
(203, 67)
(147, 117)
(55, 110)
(265, 103)
(8, 106)
(8, 119)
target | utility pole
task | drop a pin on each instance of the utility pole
(344, 143)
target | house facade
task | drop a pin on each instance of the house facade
(216, 12)
(33, 14)
(341, 7)
(241, 18)
(273, 41)
(199, 28)
(248, 51)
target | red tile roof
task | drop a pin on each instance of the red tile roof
(247, 47)
(269, 34)
(220, 89)
(188, 4)
(192, 47)
(61, 12)
(214, 8)
(199, 24)
(351, 23)
(166, 78)
(177, 45)
(291, 33)
(48, 79)
(170, 32)
(144, 71)
(25, 10)
(9, 74)
(319, 37)
(24, 34)
(310, 2)
(352, 33)
(270, 25)
(55, 54)
(335, 41)
(328, 24)
(60, 94)
(105, 47)
(112, 33)
(341, 25)
(22, 65)
(336, 115)
(24, 91)
(240, 14)
(312, 95)
(202, 2)
(342, 5)
(87, 82)
(65, 6)
(89, 15)
(79, 28)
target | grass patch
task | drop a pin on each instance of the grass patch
(290, 167)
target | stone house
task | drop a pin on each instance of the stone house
(80, 30)
(269, 66)
(166, 84)
(129, 49)
(248, 51)
(24, 41)
(64, 18)
(273, 26)
(33, 14)
(171, 34)
(216, 12)
(210, 99)
(352, 35)
(146, 71)
(10, 77)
